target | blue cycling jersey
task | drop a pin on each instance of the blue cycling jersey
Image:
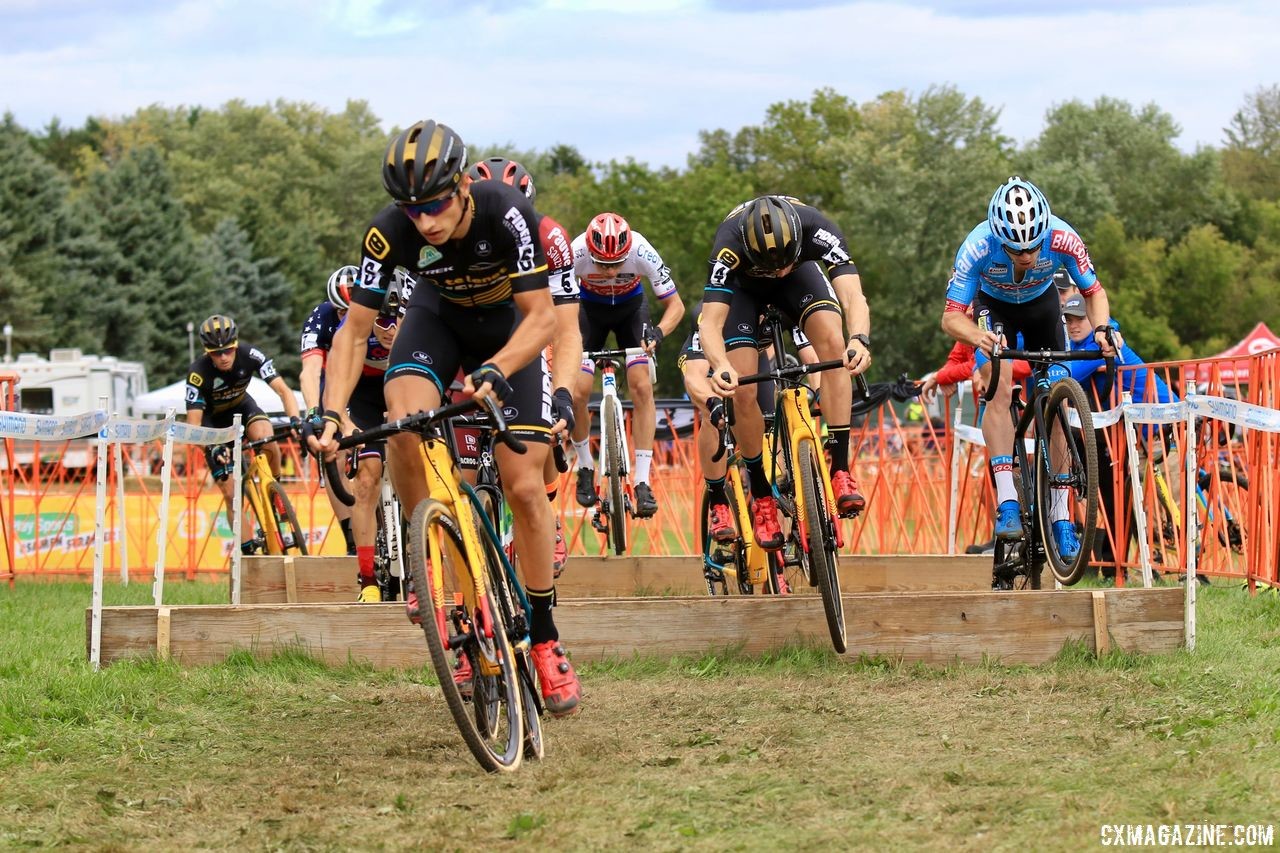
(982, 264)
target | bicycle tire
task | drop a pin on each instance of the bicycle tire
(617, 496)
(515, 618)
(433, 524)
(1066, 395)
(717, 571)
(820, 538)
(285, 519)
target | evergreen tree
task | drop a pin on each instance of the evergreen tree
(254, 293)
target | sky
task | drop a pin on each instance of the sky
(635, 80)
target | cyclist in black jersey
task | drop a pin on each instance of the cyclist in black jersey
(481, 303)
(218, 390)
(565, 351)
(776, 250)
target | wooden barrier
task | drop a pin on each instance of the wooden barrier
(319, 580)
(937, 628)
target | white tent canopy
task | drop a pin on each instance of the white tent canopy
(159, 401)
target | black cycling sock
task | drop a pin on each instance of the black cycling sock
(350, 538)
(760, 487)
(715, 488)
(541, 626)
(838, 444)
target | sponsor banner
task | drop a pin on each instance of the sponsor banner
(50, 427)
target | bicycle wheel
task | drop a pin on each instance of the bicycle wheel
(820, 539)
(1075, 471)
(610, 432)
(285, 528)
(723, 563)
(516, 619)
(456, 620)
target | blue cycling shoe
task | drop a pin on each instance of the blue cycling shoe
(1008, 521)
(1064, 536)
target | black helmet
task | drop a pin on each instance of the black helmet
(218, 332)
(771, 235)
(507, 171)
(423, 161)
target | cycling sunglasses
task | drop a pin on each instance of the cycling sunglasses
(429, 208)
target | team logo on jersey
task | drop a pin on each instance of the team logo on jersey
(376, 244)
(217, 382)
(727, 257)
(196, 379)
(984, 319)
(428, 256)
(310, 340)
(484, 249)
(834, 254)
(510, 412)
(525, 249)
(1070, 244)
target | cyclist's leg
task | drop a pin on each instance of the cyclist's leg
(593, 338)
(693, 364)
(997, 427)
(1040, 322)
(534, 529)
(366, 407)
(424, 356)
(629, 331)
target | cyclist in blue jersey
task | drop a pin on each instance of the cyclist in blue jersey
(1005, 269)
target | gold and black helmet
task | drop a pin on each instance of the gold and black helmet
(423, 161)
(218, 332)
(771, 235)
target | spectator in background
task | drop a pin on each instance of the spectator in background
(1066, 287)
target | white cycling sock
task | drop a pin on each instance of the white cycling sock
(1002, 473)
(1058, 503)
(644, 458)
(584, 453)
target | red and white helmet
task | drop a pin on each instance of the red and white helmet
(609, 239)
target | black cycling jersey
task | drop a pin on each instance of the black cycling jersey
(821, 241)
(216, 391)
(500, 254)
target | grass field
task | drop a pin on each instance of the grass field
(799, 750)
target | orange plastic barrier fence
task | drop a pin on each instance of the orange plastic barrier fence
(904, 469)
(8, 403)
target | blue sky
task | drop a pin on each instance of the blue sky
(630, 80)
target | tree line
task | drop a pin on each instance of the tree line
(116, 234)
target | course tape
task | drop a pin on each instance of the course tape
(1242, 414)
(134, 431)
(50, 427)
(188, 434)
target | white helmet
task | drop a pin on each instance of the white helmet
(1019, 215)
(340, 284)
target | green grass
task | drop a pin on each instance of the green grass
(795, 749)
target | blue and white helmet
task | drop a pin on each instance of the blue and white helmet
(1019, 215)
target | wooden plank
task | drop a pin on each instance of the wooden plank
(265, 580)
(1021, 627)
(290, 582)
(163, 622)
(1101, 637)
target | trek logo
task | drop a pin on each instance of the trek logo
(1070, 244)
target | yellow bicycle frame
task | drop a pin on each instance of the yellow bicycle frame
(757, 560)
(257, 482)
(443, 481)
(802, 425)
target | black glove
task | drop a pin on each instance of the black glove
(491, 374)
(715, 412)
(295, 424)
(562, 407)
(656, 335)
(312, 425)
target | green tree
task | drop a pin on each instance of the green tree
(254, 293)
(1203, 274)
(1251, 159)
(145, 220)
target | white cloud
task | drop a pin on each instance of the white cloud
(638, 84)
